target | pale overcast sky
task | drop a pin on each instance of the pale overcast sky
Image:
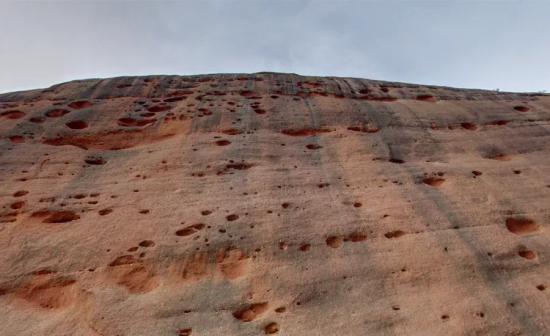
(474, 44)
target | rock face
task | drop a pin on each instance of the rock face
(273, 204)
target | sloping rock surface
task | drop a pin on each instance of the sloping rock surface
(273, 204)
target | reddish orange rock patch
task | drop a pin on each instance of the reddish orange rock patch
(37, 120)
(521, 108)
(131, 122)
(527, 254)
(334, 241)
(49, 293)
(95, 160)
(147, 243)
(104, 212)
(499, 156)
(305, 131)
(239, 166)
(232, 263)
(17, 205)
(56, 216)
(187, 231)
(271, 328)
(223, 142)
(80, 104)
(231, 131)
(56, 113)
(383, 99)
(196, 267)
(433, 181)
(426, 97)
(469, 126)
(17, 139)
(77, 124)
(499, 122)
(356, 237)
(14, 114)
(363, 129)
(175, 99)
(251, 312)
(304, 247)
(232, 217)
(137, 279)
(313, 146)
(20, 193)
(185, 332)
(109, 140)
(394, 234)
(521, 225)
(158, 108)
(123, 260)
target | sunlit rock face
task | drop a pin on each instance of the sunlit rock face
(273, 204)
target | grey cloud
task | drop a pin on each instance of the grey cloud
(490, 44)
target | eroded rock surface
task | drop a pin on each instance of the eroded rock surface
(273, 204)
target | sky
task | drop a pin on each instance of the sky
(469, 44)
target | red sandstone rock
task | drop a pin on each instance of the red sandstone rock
(273, 204)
